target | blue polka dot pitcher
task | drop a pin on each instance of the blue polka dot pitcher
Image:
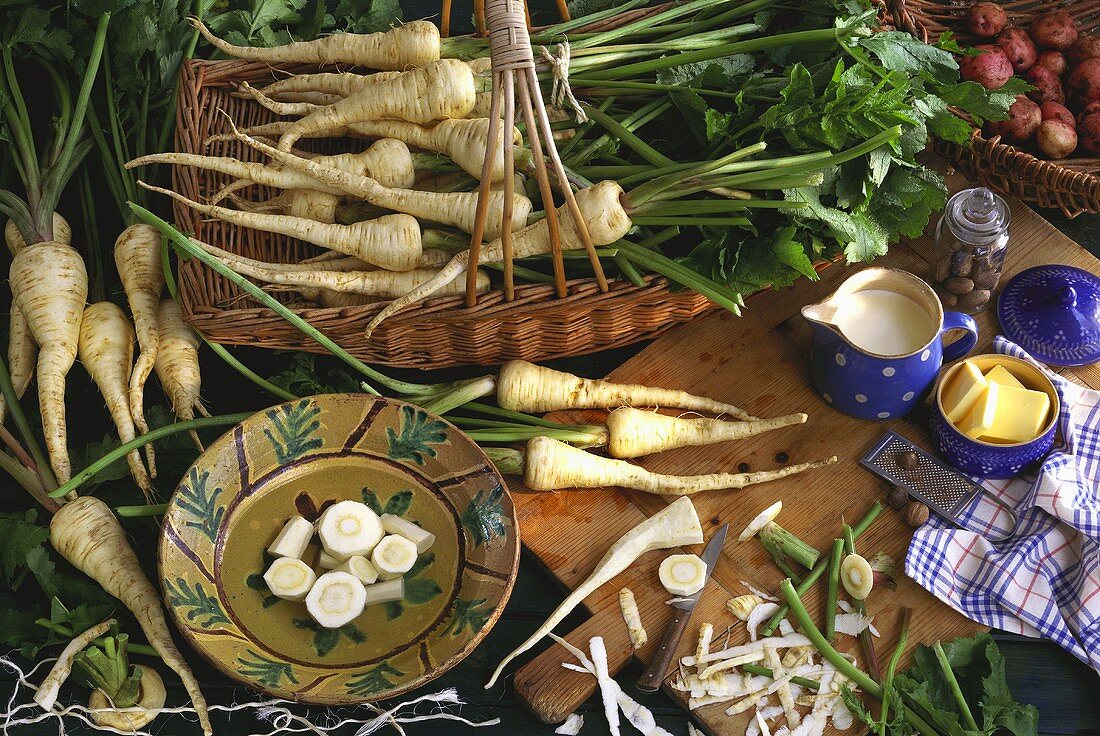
(878, 343)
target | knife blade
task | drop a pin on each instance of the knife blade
(650, 681)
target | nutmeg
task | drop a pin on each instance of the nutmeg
(897, 498)
(916, 513)
(908, 460)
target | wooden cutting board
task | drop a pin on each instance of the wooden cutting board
(760, 362)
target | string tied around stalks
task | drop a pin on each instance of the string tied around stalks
(561, 93)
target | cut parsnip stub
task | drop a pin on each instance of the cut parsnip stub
(290, 578)
(292, 540)
(386, 592)
(683, 574)
(633, 618)
(410, 531)
(857, 576)
(393, 556)
(360, 567)
(349, 528)
(335, 599)
(325, 561)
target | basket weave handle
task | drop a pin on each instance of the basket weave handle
(904, 20)
(513, 69)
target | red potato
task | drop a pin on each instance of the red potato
(1056, 111)
(1090, 109)
(1083, 84)
(991, 68)
(1023, 119)
(1083, 49)
(986, 19)
(1055, 138)
(1054, 30)
(1048, 88)
(1019, 48)
(1053, 60)
(1088, 133)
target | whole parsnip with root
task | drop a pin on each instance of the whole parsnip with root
(177, 363)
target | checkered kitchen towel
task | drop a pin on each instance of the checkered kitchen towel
(1043, 577)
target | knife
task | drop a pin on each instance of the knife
(650, 681)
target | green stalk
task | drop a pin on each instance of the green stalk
(628, 271)
(624, 134)
(691, 220)
(183, 243)
(789, 545)
(718, 206)
(834, 581)
(135, 512)
(596, 438)
(516, 416)
(715, 52)
(65, 631)
(891, 667)
(846, 668)
(121, 451)
(527, 274)
(819, 569)
(654, 261)
(756, 669)
(462, 394)
(678, 11)
(865, 637)
(548, 34)
(600, 87)
(953, 685)
(508, 460)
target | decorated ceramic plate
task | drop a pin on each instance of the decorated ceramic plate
(297, 458)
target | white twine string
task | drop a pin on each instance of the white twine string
(272, 711)
(561, 94)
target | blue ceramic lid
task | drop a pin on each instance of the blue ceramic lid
(1053, 312)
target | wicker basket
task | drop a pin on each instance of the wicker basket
(1071, 185)
(440, 331)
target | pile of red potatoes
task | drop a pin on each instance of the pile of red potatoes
(1062, 114)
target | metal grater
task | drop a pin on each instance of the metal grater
(940, 487)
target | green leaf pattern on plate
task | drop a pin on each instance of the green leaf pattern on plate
(374, 680)
(265, 671)
(418, 591)
(472, 615)
(256, 581)
(198, 602)
(325, 640)
(484, 517)
(194, 498)
(418, 432)
(295, 428)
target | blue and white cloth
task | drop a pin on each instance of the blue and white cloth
(1041, 578)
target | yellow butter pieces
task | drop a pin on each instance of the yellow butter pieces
(1000, 375)
(1004, 412)
(960, 396)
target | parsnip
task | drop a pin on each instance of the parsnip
(436, 91)
(47, 692)
(629, 607)
(450, 208)
(360, 567)
(292, 539)
(375, 283)
(49, 286)
(682, 574)
(386, 591)
(393, 556)
(151, 699)
(106, 348)
(289, 578)
(177, 364)
(600, 208)
(524, 386)
(349, 528)
(674, 526)
(138, 262)
(633, 433)
(554, 465)
(412, 44)
(62, 233)
(388, 161)
(86, 533)
(335, 599)
(307, 204)
(423, 540)
(392, 242)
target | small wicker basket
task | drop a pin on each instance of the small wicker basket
(1071, 185)
(439, 332)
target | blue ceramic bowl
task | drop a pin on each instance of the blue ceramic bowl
(988, 459)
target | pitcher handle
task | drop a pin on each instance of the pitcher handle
(966, 343)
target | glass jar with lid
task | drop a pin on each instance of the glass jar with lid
(971, 240)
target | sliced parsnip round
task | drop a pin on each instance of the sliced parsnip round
(762, 519)
(393, 556)
(857, 576)
(289, 578)
(683, 574)
(349, 528)
(335, 599)
(292, 540)
(360, 567)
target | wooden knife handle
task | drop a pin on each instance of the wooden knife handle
(651, 679)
